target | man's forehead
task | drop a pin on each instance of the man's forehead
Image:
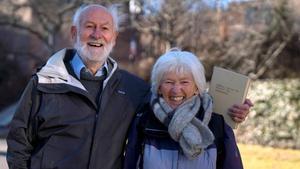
(96, 8)
(97, 12)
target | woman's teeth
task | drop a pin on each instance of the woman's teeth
(176, 98)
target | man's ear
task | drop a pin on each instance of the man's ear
(116, 34)
(73, 32)
(115, 38)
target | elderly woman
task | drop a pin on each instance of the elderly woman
(178, 130)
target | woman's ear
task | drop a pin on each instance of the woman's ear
(159, 93)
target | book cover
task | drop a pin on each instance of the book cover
(228, 88)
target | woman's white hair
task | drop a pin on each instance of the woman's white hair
(113, 10)
(180, 62)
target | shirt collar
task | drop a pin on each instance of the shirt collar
(77, 64)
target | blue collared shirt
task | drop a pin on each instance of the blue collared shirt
(77, 64)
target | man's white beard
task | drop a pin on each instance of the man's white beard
(93, 54)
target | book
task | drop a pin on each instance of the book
(228, 88)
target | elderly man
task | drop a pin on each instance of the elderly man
(76, 111)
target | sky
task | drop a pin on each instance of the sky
(224, 3)
(212, 3)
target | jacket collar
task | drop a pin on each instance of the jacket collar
(77, 64)
(55, 71)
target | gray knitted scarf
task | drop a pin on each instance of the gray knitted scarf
(192, 134)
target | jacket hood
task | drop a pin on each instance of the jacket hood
(55, 71)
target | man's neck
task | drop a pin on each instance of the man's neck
(93, 67)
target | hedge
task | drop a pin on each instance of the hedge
(275, 118)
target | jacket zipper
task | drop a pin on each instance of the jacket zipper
(94, 128)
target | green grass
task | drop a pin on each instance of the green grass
(258, 157)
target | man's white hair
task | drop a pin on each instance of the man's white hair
(112, 10)
(180, 62)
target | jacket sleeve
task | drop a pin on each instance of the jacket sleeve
(232, 158)
(19, 136)
(134, 146)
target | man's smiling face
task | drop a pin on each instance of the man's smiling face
(95, 34)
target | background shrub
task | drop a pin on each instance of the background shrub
(275, 118)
